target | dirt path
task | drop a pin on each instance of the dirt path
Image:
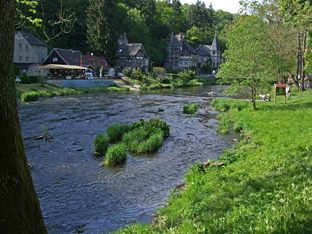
(122, 84)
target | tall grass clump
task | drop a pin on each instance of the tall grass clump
(146, 136)
(116, 131)
(100, 144)
(117, 154)
(31, 96)
(190, 109)
(224, 122)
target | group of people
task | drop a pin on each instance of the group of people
(264, 97)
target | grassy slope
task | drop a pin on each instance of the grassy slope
(265, 186)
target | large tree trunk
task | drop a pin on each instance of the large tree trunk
(19, 206)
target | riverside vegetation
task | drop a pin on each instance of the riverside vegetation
(139, 137)
(264, 185)
(33, 91)
(163, 81)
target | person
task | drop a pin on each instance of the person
(287, 91)
(262, 97)
(268, 96)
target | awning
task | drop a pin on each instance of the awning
(60, 66)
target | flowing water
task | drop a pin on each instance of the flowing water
(76, 193)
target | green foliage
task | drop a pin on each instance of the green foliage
(17, 71)
(28, 97)
(224, 124)
(101, 17)
(100, 144)
(25, 79)
(117, 154)
(146, 136)
(45, 131)
(116, 131)
(190, 109)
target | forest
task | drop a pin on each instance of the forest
(94, 26)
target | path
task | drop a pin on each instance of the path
(122, 84)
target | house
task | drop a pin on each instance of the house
(66, 57)
(29, 53)
(180, 55)
(131, 55)
(99, 65)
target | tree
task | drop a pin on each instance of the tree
(195, 36)
(299, 14)
(246, 57)
(19, 207)
(101, 29)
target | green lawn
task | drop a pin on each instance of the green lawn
(265, 185)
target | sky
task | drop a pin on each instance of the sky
(225, 5)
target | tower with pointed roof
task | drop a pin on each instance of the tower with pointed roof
(215, 52)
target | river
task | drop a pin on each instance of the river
(76, 193)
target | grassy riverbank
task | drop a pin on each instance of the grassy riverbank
(265, 184)
(49, 90)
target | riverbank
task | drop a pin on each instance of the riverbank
(264, 185)
(50, 90)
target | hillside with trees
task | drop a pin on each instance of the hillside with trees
(144, 21)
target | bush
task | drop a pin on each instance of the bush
(34, 79)
(27, 97)
(116, 131)
(190, 109)
(25, 79)
(133, 138)
(116, 154)
(100, 144)
(152, 125)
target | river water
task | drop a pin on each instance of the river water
(76, 193)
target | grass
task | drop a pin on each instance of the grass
(100, 144)
(265, 185)
(190, 109)
(50, 90)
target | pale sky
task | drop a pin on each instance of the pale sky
(225, 5)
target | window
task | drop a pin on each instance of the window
(20, 46)
(34, 60)
(27, 59)
(186, 63)
(26, 47)
(20, 58)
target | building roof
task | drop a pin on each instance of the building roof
(203, 50)
(100, 60)
(130, 49)
(32, 39)
(25, 65)
(175, 39)
(215, 45)
(189, 47)
(71, 57)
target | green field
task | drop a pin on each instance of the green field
(265, 184)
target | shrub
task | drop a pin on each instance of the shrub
(100, 144)
(190, 109)
(152, 125)
(238, 126)
(116, 131)
(27, 97)
(224, 125)
(33, 79)
(25, 79)
(144, 87)
(116, 154)
(133, 138)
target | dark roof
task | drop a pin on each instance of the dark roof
(72, 57)
(100, 60)
(175, 39)
(25, 65)
(32, 39)
(189, 47)
(215, 45)
(203, 50)
(130, 49)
